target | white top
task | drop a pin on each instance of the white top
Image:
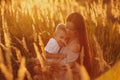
(52, 47)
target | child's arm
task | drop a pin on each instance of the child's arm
(58, 55)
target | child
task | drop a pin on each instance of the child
(55, 44)
(53, 48)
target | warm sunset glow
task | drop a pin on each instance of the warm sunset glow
(27, 25)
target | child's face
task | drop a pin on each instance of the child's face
(61, 38)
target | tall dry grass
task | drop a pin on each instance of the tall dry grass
(26, 26)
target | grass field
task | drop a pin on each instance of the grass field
(26, 26)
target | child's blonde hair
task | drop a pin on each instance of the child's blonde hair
(60, 27)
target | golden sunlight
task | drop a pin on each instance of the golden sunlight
(27, 25)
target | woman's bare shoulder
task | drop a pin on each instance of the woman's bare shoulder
(74, 45)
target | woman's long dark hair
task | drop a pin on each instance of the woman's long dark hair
(79, 25)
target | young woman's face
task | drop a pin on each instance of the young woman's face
(70, 29)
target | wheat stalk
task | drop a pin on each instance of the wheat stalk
(39, 56)
(22, 70)
(8, 75)
(82, 72)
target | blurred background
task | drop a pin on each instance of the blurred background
(27, 25)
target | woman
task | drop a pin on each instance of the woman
(76, 31)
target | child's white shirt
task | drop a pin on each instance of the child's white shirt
(52, 47)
